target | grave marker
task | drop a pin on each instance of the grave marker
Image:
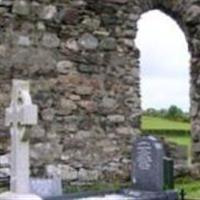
(148, 166)
(20, 115)
(46, 187)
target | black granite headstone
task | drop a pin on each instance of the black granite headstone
(148, 166)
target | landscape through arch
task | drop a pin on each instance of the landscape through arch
(164, 79)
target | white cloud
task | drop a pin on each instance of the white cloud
(164, 62)
(163, 92)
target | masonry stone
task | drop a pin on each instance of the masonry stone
(72, 44)
(91, 23)
(88, 41)
(50, 40)
(48, 12)
(87, 175)
(24, 41)
(21, 7)
(69, 173)
(65, 66)
(116, 118)
(108, 44)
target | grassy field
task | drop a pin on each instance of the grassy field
(155, 123)
(190, 186)
(159, 123)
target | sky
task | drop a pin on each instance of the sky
(164, 62)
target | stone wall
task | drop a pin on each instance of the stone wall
(84, 66)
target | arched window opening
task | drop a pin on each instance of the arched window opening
(164, 65)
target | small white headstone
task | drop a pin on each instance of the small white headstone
(46, 187)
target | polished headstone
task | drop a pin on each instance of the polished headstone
(148, 166)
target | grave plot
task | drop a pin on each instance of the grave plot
(147, 173)
(149, 163)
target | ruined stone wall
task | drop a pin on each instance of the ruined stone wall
(83, 65)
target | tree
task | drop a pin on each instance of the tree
(175, 113)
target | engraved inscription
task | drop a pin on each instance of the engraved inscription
(144, 155)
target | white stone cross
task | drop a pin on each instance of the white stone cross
(20, 115)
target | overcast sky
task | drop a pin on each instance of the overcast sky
(164, 62)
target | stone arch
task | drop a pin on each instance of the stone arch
(185, 14)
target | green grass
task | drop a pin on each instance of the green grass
(155, 123)
(180, 140)
(190, 186)
(96, 187)
(159, 123)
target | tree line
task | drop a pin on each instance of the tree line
(172, 113)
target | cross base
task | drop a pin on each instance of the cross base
(16, 196)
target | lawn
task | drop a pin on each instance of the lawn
(159, 123)
(171, 129)
(190, 186)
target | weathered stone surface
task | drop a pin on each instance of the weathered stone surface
(83, 134)
(91, 24)
(84, 90)
(53, 171)
(65, 66)
(88, 175)
(72, 45)
(116, 118)
(48, 114)
(107, 105)
(69, 16)
(117, 1)
(108, 44)
(50, 40)
(3, 50)
(41, 26)
(68, 173)
(21, 7)
(193, 14)
(88, 41)
(125, 130)
(48, 12)
(86, 68)
(89, 106)
(45, 152)
(24, 41)
(68, 105)
(37, 132)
